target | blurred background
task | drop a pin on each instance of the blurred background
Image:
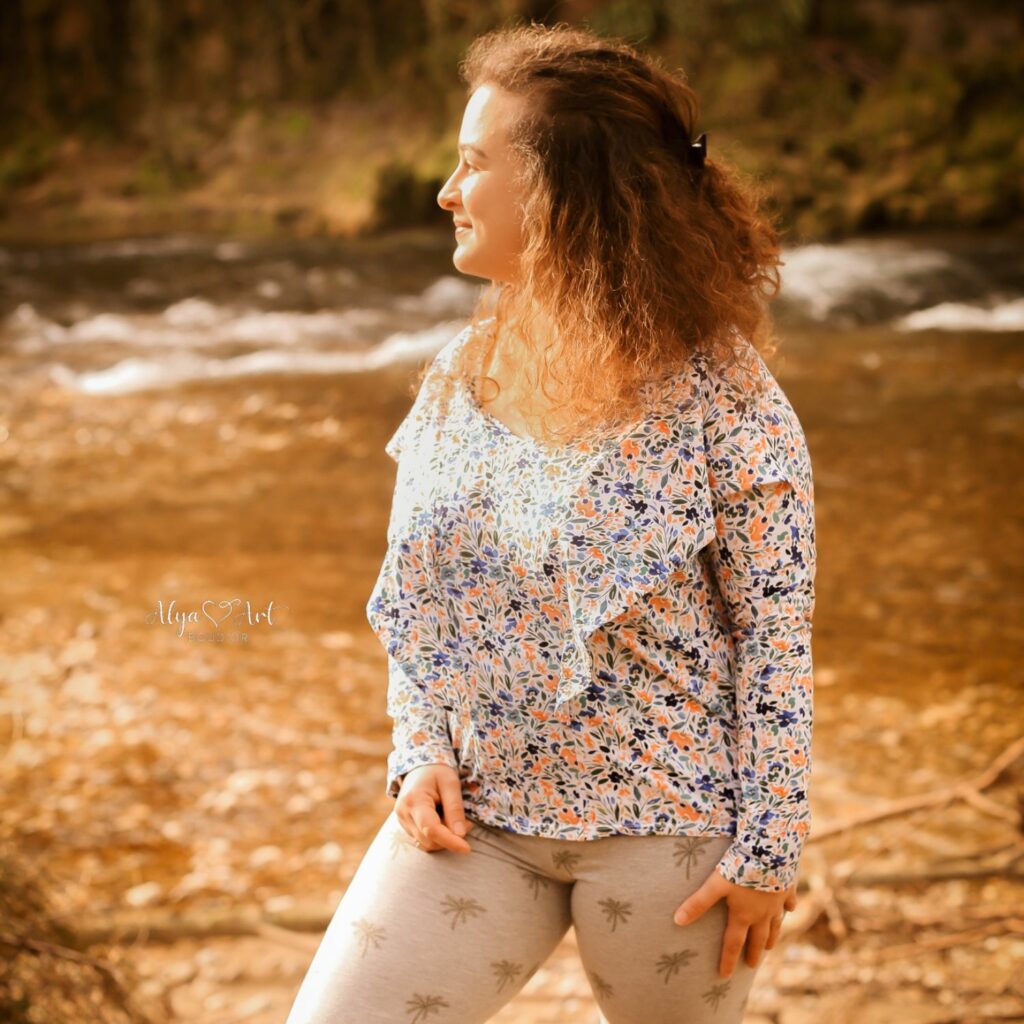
(222, 263)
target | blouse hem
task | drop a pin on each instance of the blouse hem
(590, 831)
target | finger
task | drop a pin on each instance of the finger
(756, 938)
(732, 945)
(773, 932)
(698, 902)
(790, 903)
(435, 835)
(404, 818)
(423, 814)
(408, 823)
(455, 824)
(403, 809)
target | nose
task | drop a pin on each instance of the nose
(445, 198)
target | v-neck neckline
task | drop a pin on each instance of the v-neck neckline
(530, 444)
(500, 427)
(503, 429)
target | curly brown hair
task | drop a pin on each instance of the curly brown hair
(634, 258)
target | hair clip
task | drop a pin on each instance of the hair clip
(698, 151)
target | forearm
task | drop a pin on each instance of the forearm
(774, 708)
(420, 730)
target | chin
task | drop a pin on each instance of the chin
(470, 271)
(465, 262)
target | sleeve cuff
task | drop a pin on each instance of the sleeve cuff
(738, 866)
(400, 763)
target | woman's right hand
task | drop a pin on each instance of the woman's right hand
(423, 790)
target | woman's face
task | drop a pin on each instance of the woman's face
(481, 195)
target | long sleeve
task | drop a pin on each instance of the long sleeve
(420, 733)
(763, 560)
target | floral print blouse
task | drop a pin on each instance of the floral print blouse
(615, 637)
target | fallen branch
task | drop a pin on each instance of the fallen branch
(288, 937)
(977, 1017)
(1010, 869)
(889, 920)
(26, 942)
(936, 942)
(966, 790)
(161, 925)
(110, 976)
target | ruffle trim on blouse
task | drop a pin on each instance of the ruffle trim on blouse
(646, 518)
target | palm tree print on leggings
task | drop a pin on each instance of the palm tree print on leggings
(506, 972)
(422, 1006)
(689, 851)
(716, 994)
(537, 882)
(368, 932)
(615, 911)
(460, 908)
(671, 962)
(600, 986)
(565, 860)
(400, 841)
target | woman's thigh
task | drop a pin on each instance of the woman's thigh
(431, 936)
(642, 966)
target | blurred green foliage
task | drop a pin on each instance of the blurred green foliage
(26, 160)
(403, 197)
(849, 107)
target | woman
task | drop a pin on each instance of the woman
(597, 597)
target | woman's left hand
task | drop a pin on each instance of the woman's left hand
(750, 911)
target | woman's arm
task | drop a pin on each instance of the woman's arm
(420, 733)
(763, 559)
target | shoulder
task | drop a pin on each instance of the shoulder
(752, 433)
(741, 390)
(448, 351)
(443, 359)
(445, 366)
(430, 406)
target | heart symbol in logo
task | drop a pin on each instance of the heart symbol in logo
(229, 605)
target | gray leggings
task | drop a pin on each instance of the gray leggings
(449, 938)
